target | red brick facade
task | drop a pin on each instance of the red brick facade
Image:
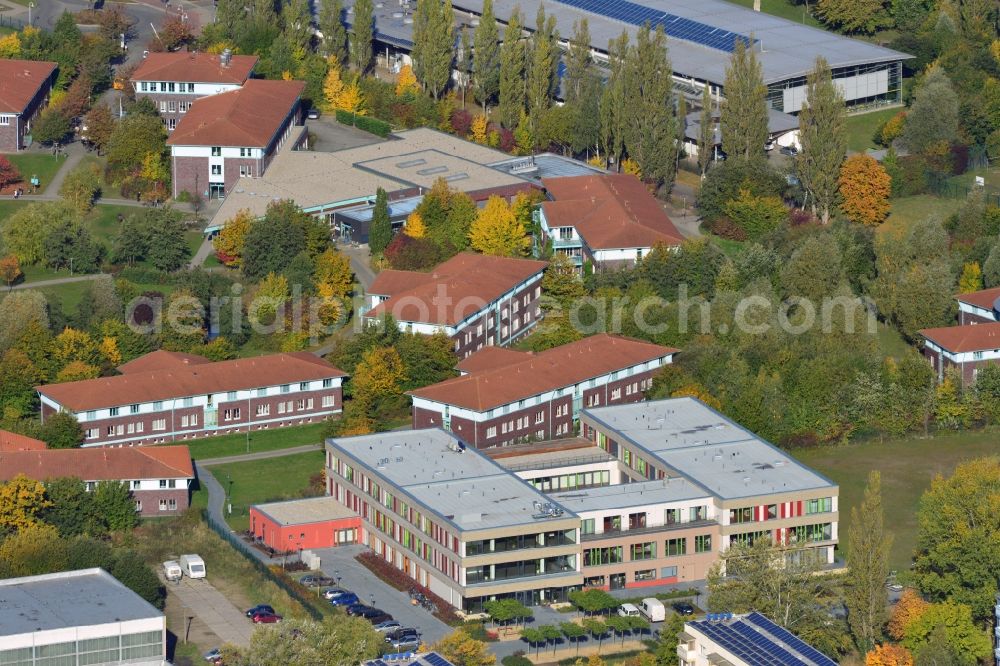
(12, 134)
(971, 318)
(148, 502)
(518, 314)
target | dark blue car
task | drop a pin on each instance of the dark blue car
(346, 599)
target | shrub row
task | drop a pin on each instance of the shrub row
(372, 125)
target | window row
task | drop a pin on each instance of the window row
(165, 86)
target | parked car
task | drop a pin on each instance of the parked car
(332, 592)
(401, 634)
(192, 566)
(356, 608)
(629, 610)
(387, 627)
(683, 608)
(265, 618)
(260, 608)
(369, 613)
(213, 656)
(408, 643)
(653, 609)
(317, 581)
(312, 114)
(347, 599)
(378, 618)
(789, 150)
(769, 145)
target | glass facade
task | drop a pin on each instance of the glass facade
(90, 652)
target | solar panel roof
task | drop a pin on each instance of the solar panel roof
(758, 641)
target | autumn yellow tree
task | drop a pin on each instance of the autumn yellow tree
(406, 82)
(271, 294)
(75, 371)
(75, 345)
(333, 279)
(10, 46)
(972, 278)
(110, 350)
(378, 375)
(479, 129)
(10, 269)
(22, 501)
(864, 190)
(631, 167)
(459, 647)
(342, 95)
(36, 549)
(909, 607)
(497, 231)
(229, 243)
(889, 655)
(415, 227)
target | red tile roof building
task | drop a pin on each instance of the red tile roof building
(180, 400)
(979, 306)
(609, 220)
(11, 441)
(967, 347)
(234, 134)
(174, 80)
(476, 300)
(25, 86)
(515, 397)
(159, 477)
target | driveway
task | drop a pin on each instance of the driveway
(340, 563)
(200, 599)
(332, 136)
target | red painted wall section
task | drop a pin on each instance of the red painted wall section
(291, 538)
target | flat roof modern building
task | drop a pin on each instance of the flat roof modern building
(651, 496)
(83, 616)
(701, 35)
(295, 525)
(167, 397)
(752, 639)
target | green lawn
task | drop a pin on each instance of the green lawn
(68, 294)
(784, 9)
(906, 210)
(890, 341)
(861, 128)
(907, 467)
(266, 480)
(260, 440)
(42, 165)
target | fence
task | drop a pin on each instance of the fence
(11, 22)
(951, 190)
(245, 550)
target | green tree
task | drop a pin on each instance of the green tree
(534, 636)
(331, 24)
(968, 643)
(706, 131)
(597, 629)
(958, 539)
(380, 232)
(725, 181)
(25, 231)
(650, 125)
(868, 548)
(541, 67)
(579, 63)
(362, 35)
(613, 101)
(512, 72)
(69, 245)
(855, 16)
(72, 509)
(18, 377)
(115, 505)
(574, 632)
(932, 120)
(52, 126)
(61, 431)
(81, 186)
(507, 610)
(296, 17)
(987, 390)
(433, 44)
(813, 271)
(744, 110)
(335, 641)
(592, 601)
(756, 215)
(486, 57)
(133, 572)
(134, 137)
(823, 136)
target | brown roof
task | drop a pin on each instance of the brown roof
(194, 68)
(11, 441)
(20, 81)
(161, 359)
(100, 463)
(250, 116)
(490, 357)
(971, 337)
(187, 381)
(981, 299)
(551, 369)
(609, 211)
(453, 290)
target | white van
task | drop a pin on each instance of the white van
(653, 609)
(192, 566)
(172, 570)
(628, 610)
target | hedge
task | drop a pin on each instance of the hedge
(372, 125)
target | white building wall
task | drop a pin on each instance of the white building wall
(978, 311)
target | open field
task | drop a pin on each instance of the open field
(42, 165)
(907, 466)
(260, 440)
(861, 128)
(906, 210)
(265, 480)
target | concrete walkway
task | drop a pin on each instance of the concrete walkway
(57, 281)
(246, 457)
(215, 610)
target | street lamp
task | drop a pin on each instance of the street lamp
(31, 5)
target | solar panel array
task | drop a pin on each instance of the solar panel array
(791, 639)
(434, 659)
(674, 26)
(758, 648)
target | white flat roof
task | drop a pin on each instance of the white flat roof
(308, 510)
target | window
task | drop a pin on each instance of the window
(703, 543)
(114, 411)
(327, 383)
(216, 151)
(163, 505)
(819, 505)
(263, 410)
(172, 106)
(744, 515)
(771, 511)
(143, 86)
(231, 395)
(593, 557)
(643, 551)
(92, 433)
(281, 407)
(587, 526)
(188, 402)
(136, 485)
(138, 506)
(244, 152)
(697, 513)
(171, 124)
(216, 169)
(163, 107)
(675, 547)
(170, 87)
(300, 404)
(668, 572)
(540, 417)
(286, 388)
(671, 516)
(246, 171)
(184, 422)
(645, 574)
(328, 401)
(183, 107)
(159, 424)
(163, 483)
(821, 532)
(163, 86)
(309, 403)
(157, 406)
(616, 394)
(261, 392)
(133, 409)
(139, 426)
(491, 432)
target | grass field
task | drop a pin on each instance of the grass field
(108, 191)
(860, 128)
(907, 210)
(37, 164)
(784, 9)
(266, 480)
(907, 467)
(261, 440)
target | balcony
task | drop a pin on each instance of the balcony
(611, 534)
(474, 549)
(510, 571)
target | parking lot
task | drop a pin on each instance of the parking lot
(216, 612)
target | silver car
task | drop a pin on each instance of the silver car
(387, 626)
